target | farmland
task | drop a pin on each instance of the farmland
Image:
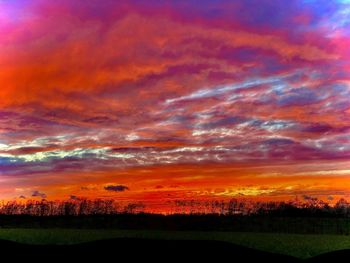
(297, 245)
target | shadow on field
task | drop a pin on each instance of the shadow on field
(335, 256)
(153, 251)
(141, 249)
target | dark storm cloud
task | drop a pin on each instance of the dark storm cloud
(116, 188)
(38, 194)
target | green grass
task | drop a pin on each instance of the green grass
(302, 246)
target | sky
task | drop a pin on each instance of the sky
(156, 101)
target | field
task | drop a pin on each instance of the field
(297, 245)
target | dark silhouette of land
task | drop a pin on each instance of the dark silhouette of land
(153, 250)
(141, 249)
(312, 217)
(335, 256)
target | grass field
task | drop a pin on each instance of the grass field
(301, 246)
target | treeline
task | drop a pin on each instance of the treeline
(310, 217)
(77, 207)
(234, 207)
(312, 207)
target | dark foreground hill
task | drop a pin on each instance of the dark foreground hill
(336, 256)
(121, 249)
(116, 250)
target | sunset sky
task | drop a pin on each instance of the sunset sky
(160, 100)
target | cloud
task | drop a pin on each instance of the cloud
(225, 84)
(116, 188)
(330, 198)
(309, 198)
(39, 194)
(204, 93)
